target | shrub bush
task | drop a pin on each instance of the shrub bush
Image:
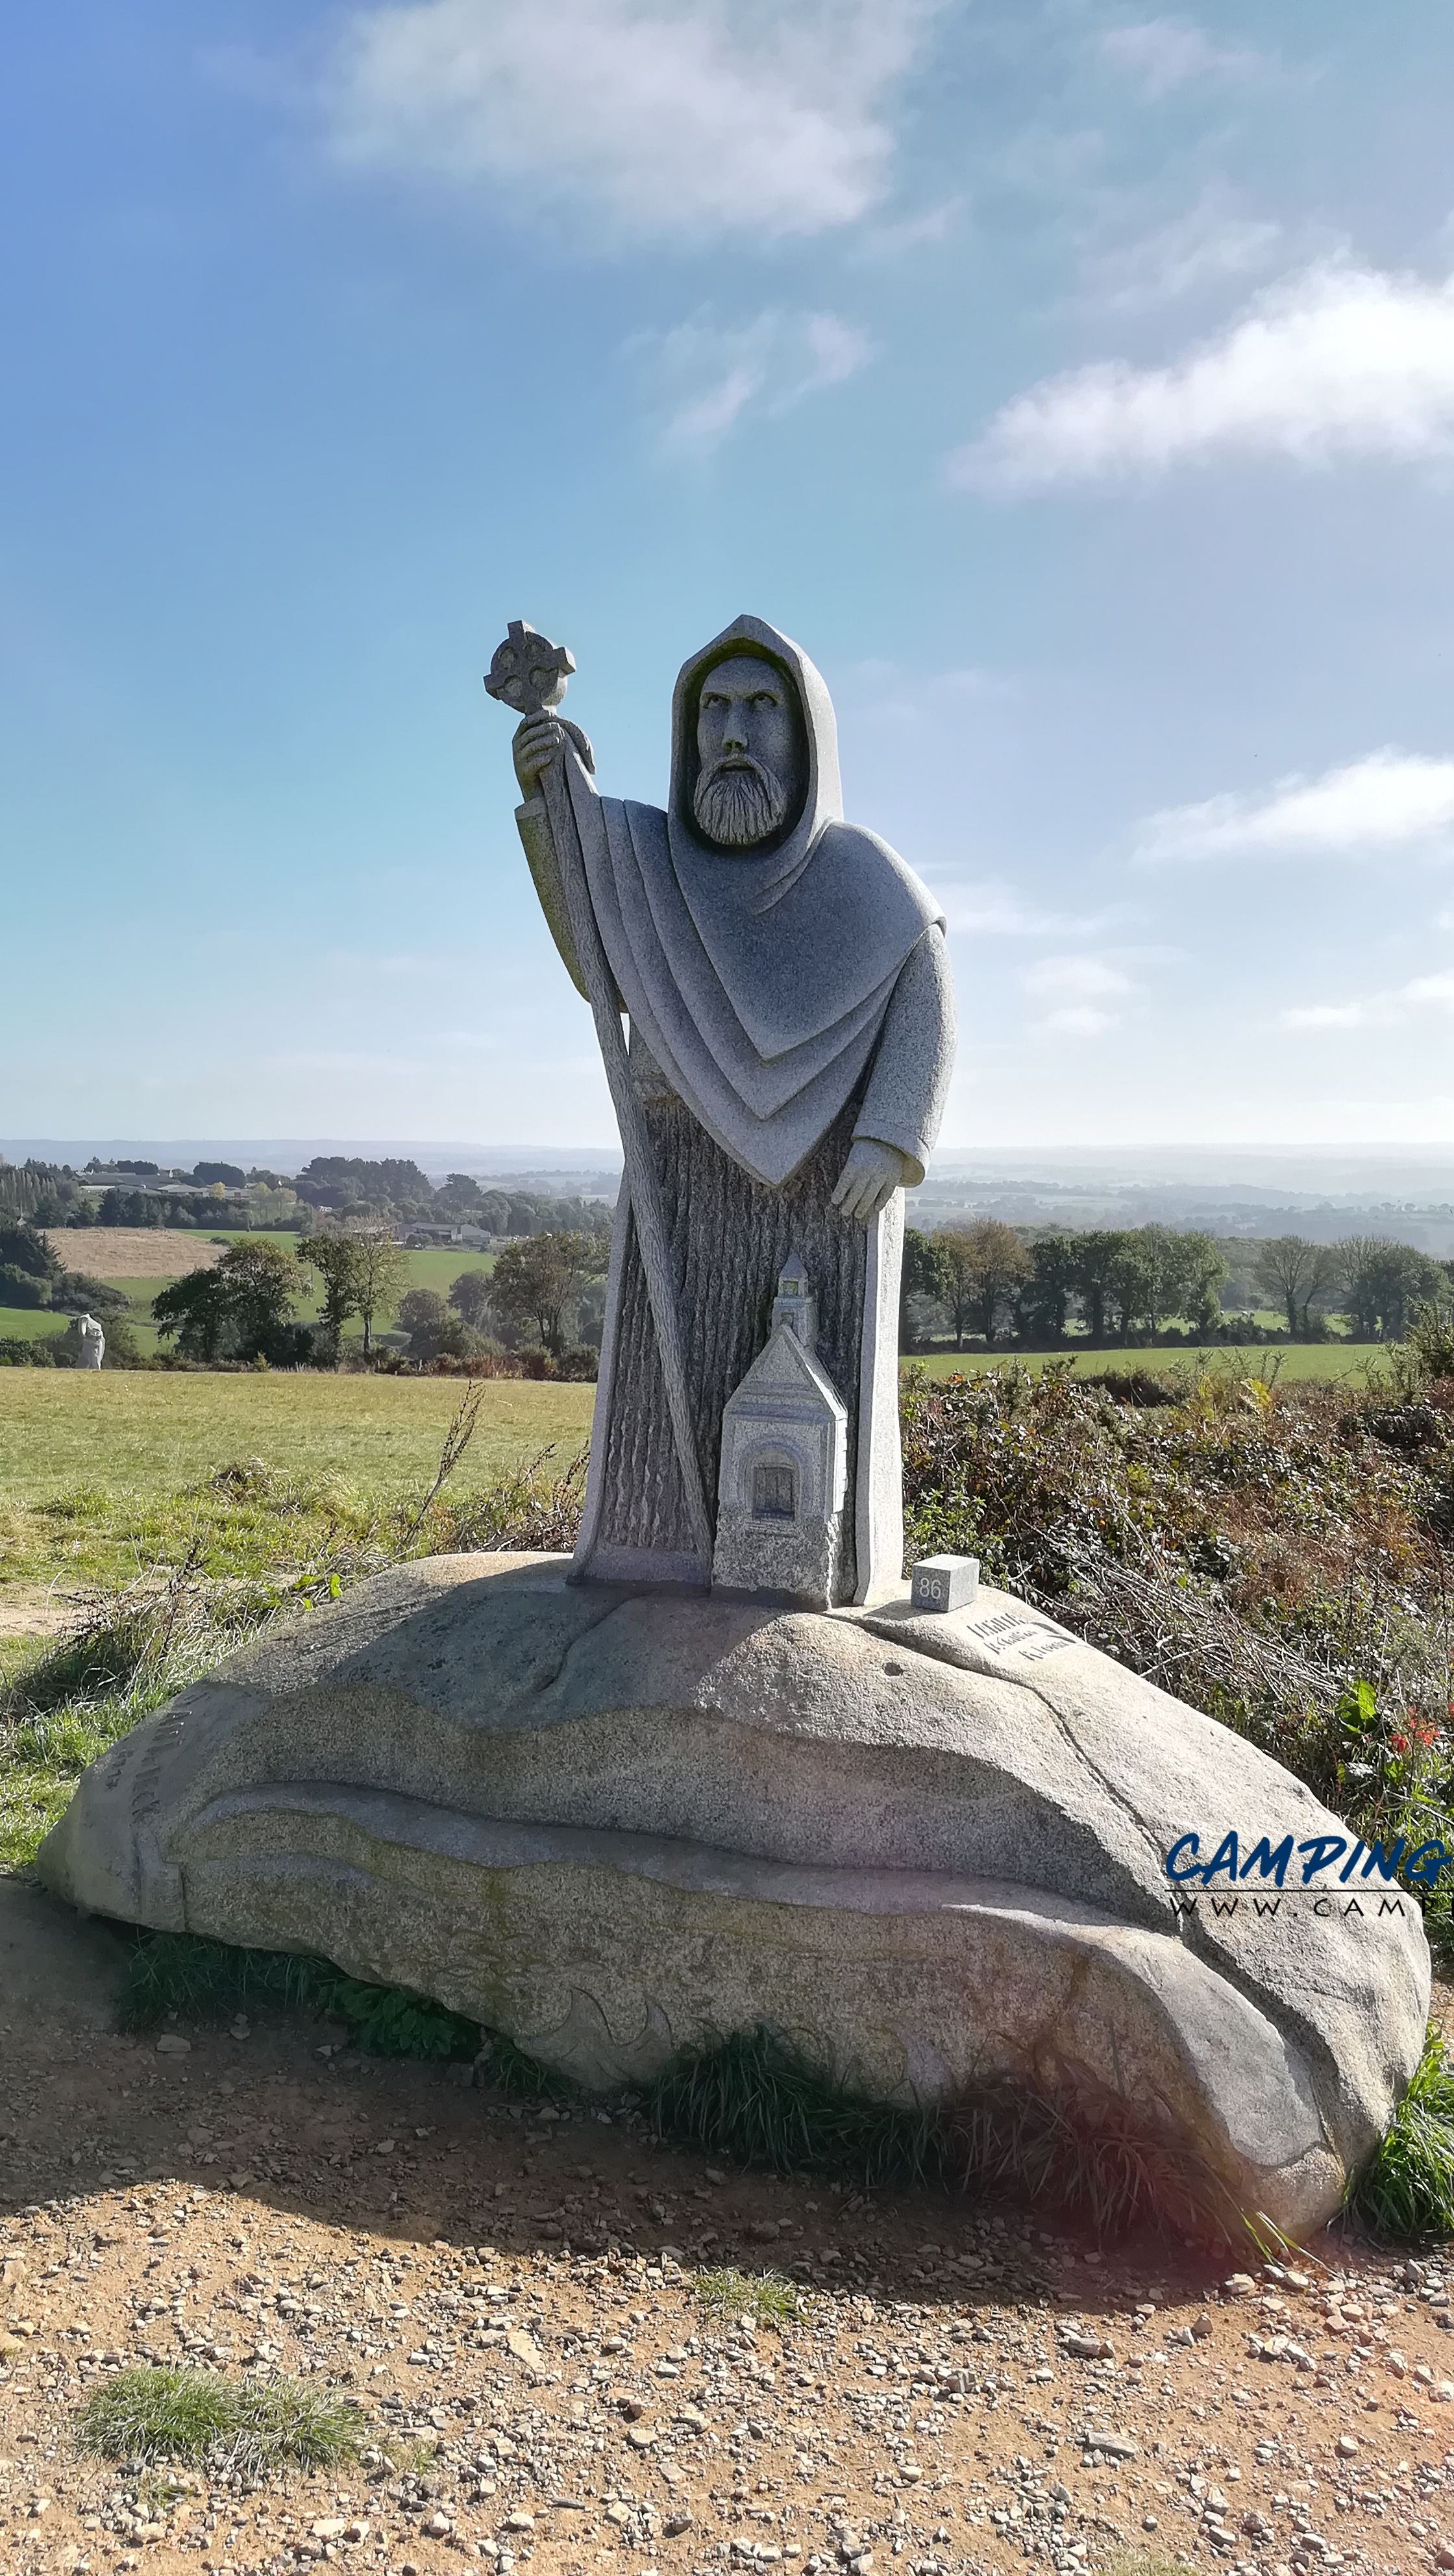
(1260, 1550)
(77, 1293)
(55, 1351)
(21, 1287)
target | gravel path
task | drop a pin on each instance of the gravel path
(513, 2298)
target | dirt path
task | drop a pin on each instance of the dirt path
(34, 1610)
(516, 2290)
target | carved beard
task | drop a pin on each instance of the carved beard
(739, 802)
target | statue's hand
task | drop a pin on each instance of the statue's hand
(536, 744)
(869, 1179)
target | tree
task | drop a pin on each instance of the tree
(194, 1307)
(1202, 1268)
(1291, 1271)
(24, 1247)
(382, 1268)
(985, 1264)
(1046, 1295)
(130, 1207)
(435, 1331)
(460, 1197)
(387, 1188)
(1096, 1256)
(21, 1287)
(922, 1276)
(257, 1283)
(535, 1279)
(333, 1258)
(239, 1309)
(1384, 1282)
(1130, 1285)
(469, 1295)
(76, 1292)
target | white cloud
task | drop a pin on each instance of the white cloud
(1162, 53)
(989, 909)
(712, 374)
(1080, 1020)
(1390, 800)
(1052, 976)
(664, 118)
(1376, 1010)
(1335, 362)
(1077, 989)
(1196, 250)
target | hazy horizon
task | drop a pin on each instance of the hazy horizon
(1335, 1170)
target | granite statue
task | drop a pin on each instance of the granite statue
(90, 1342)
(786, 983)
(723, 1768)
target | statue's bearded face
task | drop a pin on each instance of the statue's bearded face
(747, 748)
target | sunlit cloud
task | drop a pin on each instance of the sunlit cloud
(1162, 54)
(1376, 1010)
(1337, 362)
(1202, 248)
(1078, 992)
(1391, 800)
(712, 374)
(990, 910)
(662, 119)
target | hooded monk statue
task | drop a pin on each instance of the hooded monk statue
(786, 984)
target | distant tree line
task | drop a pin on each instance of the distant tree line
(392, 1191)
(352, 1188)
(999, 1282)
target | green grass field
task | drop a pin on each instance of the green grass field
(1287, 1360)
(102, 1478)
(148, 1434)
(29, 1323)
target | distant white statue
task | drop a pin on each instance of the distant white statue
(92, 1342)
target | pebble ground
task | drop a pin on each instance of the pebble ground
(519, 2301)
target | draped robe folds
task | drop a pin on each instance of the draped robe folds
(782, 1003)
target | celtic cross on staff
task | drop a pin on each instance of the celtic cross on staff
(528, 674)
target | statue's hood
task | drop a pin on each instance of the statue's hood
(739, 880)
(758, 983)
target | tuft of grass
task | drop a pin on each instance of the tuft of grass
(1407, 2191)
(518, 2075)
(1146, 2562)
(201, 1980)
(756, 2099)
(727, 2295)
(1074, 2148)
(249, 2427)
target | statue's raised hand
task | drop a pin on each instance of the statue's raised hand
(869, 1179)
(537, 743)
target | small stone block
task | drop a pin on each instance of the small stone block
(944, 1582)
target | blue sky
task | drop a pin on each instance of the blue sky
(1075, 383)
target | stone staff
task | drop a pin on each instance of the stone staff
(529, 674)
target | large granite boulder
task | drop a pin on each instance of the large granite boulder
(929, 1850)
